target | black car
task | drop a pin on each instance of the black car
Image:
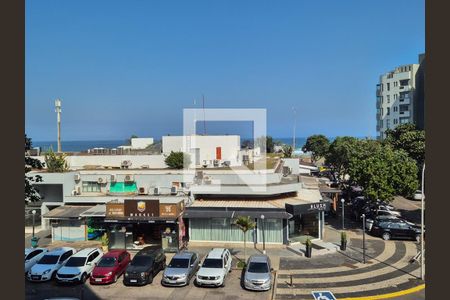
(144, 266)
(386, 229)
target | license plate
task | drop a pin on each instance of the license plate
(98, 280)
(133, 280)
(35, 277)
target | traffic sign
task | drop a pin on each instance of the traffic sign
(323, 295)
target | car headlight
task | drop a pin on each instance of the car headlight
(126, 274)
(217, 277)
(108, 274)
(143, 274)
(46, 271)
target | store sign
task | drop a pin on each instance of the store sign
(114, 209)
(141, 208)
(318, 207)
(308, 208)
(170, 210)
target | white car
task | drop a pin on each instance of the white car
(45, 269)
(79, 266)
(214, 268)
(418, 195)
(32, 256)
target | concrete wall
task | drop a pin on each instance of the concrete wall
(293, 164)
(141, 143)
(230, 147)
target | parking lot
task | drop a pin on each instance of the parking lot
(232, 290)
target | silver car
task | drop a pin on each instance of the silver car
(181, 269)
(258, 273)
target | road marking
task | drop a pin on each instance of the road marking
(389, 295)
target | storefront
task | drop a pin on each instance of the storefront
(307, 221)
(136, 223)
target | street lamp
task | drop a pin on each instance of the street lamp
(33, 212)
(363, 216)
(421, 225)
(264, 237)
(343, 212)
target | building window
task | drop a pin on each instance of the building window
(388, 111)
(404, 82)
(90, 187)
(404, 120)
(404, 107)
(388, 85)
(395, 108)
(388, 123)
(388, 98)
(395, 96)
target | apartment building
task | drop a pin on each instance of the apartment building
(395, 98)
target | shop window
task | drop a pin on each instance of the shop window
(91, 187)
(123, 187)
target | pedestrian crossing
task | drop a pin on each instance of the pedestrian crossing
(386, 272)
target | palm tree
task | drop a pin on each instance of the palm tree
(245, 224)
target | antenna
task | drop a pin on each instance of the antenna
(204, 115)
(58, 120)
(295, 123)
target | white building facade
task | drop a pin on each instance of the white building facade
(394, 94)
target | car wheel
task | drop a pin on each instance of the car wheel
(150, 278)
(83, 278)
(223, 283)
(386, 236)
(418, 238)
(53, 275)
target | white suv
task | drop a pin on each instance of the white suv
(79, 267)
(46, 268)
(214, 268)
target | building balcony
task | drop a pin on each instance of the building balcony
(404, 100)
(379, 92)
(405, 88)
(378, 104)
(404, 114)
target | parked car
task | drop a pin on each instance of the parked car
(32, 256)
(79, 266)
(258, 273)
(215, 268)
(181, 269)
(388, 229)
(144, 266)
(45, 269)
(417, 195)
(110, 267)
(370, 221)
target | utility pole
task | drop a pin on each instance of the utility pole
(58, 119)
(295, 123)
(204, 116)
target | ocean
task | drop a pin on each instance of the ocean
(78, 146)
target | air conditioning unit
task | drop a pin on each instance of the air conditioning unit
(207, 179)
(78, 190)
(174, 190)
(77, 177)
(113, 178)
(100, 180)
(142, 191)
(156, 191)
(126, 164)
(74, 193)
(128, 178)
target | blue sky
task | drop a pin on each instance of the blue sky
(130, 67)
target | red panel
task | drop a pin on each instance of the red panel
(218, 152)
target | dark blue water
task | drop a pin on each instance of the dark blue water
(78, 146)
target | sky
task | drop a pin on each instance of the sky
(131, 67)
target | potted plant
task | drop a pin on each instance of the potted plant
(343, 241)
(308, 245)
(105, 242)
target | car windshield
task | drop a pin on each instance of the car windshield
(179, 263)
(212, 263)
(48, 260)
(76, 262)
(107, 262)
(141, 260)
(258, 267)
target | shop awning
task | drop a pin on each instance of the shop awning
(193, 214)
(96, 211)
(66, 212)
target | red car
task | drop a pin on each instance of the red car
(110, 267)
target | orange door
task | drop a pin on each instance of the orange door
(218, 152)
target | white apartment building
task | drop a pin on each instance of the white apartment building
(395, 94)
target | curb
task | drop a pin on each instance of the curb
(390, 295)
(274, 287)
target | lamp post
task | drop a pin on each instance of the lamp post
(343, 212)
(421, 225)
(33, 212)
(363, 216)
(263, 234)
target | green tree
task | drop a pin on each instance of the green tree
(287, 151)
(408, 138)
(177, 160)
(318, 145)
(56, 162)
(31, 192)
(383, 172)
(245, 224)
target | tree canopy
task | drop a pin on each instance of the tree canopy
(408, 138)
(318, 145)
(56, 162)
(177, 160)
(287, 151)
(31, 192)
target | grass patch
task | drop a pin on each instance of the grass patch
(241, 264)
